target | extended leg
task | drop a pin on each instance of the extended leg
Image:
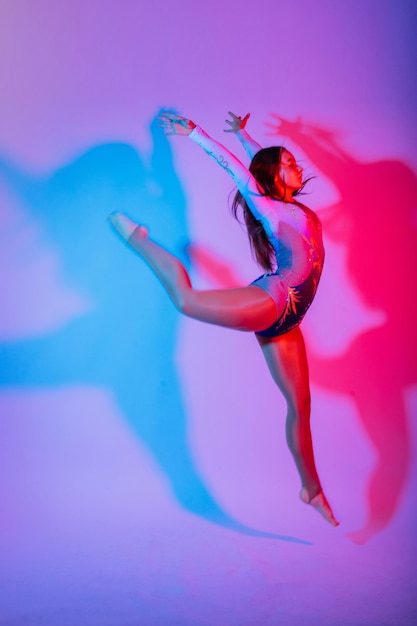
(287, 362)
(247, 308)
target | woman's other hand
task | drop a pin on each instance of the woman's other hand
(236, 123)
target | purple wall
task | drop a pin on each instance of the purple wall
(143, 457)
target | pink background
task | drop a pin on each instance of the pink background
(145, 477)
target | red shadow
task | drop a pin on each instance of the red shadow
(375, 219)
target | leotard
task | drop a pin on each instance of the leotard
(295, 234)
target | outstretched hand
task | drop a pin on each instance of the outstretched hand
(236, 123)
(174, 124)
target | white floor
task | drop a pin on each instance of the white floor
(92, 536)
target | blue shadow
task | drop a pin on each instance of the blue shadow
(127, 342)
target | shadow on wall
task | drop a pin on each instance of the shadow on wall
(126, 341)
(375, 220)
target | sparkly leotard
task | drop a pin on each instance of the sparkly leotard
(294, 231)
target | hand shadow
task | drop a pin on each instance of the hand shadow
(126, 341)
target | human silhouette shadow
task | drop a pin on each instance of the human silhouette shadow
(126, 341)
(375, 219)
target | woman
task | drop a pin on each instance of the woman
(286, 239)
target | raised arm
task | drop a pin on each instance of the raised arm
(260, 205)
(238, 128)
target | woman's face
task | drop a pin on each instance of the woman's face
(290, 174)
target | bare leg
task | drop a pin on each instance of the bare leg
(247, 308)
(250, 309)
(287, 362)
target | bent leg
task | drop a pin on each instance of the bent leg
(247, 308)
(287, 361)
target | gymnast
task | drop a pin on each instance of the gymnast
(285, 237)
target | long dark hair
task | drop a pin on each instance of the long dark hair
(263, 167)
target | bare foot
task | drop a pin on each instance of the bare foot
(125, 226)
(319, 502)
